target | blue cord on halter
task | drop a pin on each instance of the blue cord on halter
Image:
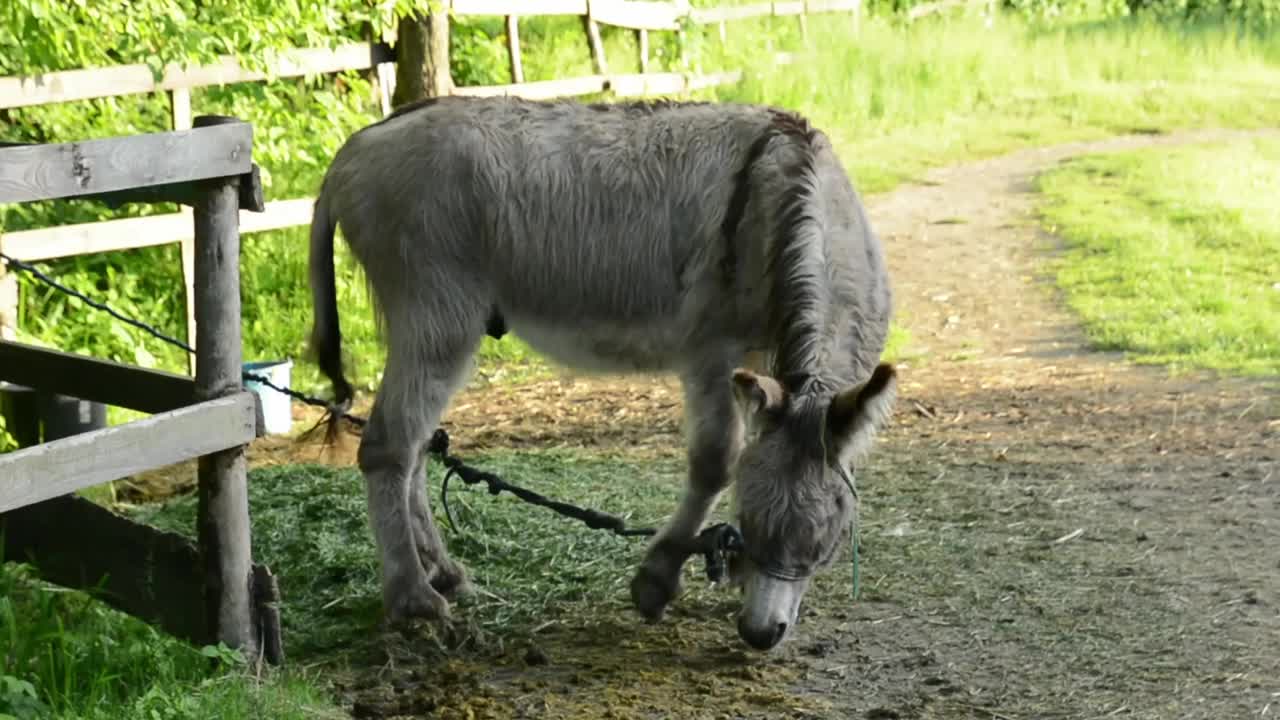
(853, 524)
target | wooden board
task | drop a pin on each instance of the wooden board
(129, 233)
(44, 172)
(519, 7)
(148, 573)
(87, 378)
(64, 466)
(65, 86)
(637, 15)
(740, 12)
(826, 6)
(541, 89)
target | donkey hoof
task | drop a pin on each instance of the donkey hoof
(450, 580)
(651, 593)
(413, 601)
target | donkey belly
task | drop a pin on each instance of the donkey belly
(595, 346)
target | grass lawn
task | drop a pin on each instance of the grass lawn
(1173, 255)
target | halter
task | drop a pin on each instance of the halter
(801, 572)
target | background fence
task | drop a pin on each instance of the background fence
(379, 60)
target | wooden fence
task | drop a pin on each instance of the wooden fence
(211, 591)
(177, 83)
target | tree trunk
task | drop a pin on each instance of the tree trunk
(422, 58)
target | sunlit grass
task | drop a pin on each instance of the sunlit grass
(66, 656)
(898, 100)
(1173, 255)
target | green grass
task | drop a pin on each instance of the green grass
(311, 528)
(899, 100)
(65, 655)
(1172, 254)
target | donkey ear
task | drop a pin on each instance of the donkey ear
(855, 414)
(757, 393)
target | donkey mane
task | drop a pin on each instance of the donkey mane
(796, 265)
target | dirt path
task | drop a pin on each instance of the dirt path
(1047, 531)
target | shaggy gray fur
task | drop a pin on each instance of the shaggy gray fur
(667, 237)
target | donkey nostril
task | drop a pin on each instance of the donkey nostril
(761, 638)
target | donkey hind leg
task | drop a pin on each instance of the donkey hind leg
(416, 387)
(714, 438)
(446, 576)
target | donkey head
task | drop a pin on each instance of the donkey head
(792, 502)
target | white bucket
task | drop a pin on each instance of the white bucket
(277, 412)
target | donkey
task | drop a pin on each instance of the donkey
(720, 242)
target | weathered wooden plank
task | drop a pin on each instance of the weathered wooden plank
(740, 12)
(637, 15)
(148, 573)
(129, 233)
(519, 7)
(65, 86)
(931, 8)
(540, 89)
(825, 6)
(781, 9)
(104, 236)
(634, 85)
(64, 466)
(88, 378)
(44, 172)
(699, 82)
(223, 504)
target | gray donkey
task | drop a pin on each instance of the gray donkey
(721, 242)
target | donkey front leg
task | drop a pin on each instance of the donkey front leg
(714, 433)
(446, 576)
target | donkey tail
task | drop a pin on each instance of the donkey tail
(326, 332)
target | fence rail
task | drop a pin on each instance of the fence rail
(178, 82)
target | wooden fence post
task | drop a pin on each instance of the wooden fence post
(642, 39)
(223, 506)
(8, 301)
(596, 43)
(180, 115)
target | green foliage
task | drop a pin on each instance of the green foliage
(69, 656)
(1172, 253)
(18, 699)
